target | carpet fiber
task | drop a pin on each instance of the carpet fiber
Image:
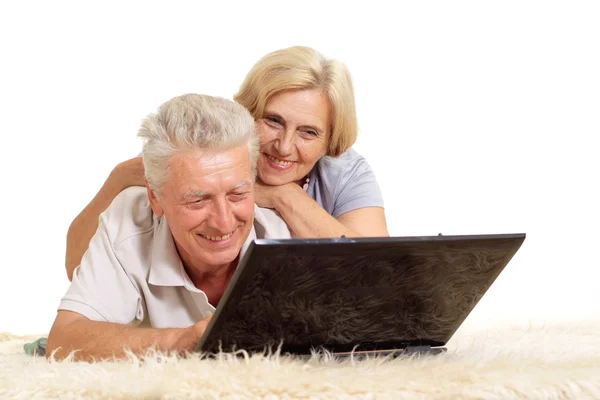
(521, 362)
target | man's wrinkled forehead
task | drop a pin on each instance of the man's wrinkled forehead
(210, 165)
(188, 194)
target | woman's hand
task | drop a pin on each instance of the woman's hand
(307, 219)
(267, 196)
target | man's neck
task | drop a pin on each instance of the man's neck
(213, 283)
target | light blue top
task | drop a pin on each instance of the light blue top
(344, 184)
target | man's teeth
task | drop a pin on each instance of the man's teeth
(218, 238)
(278, 161)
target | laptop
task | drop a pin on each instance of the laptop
(355, 295)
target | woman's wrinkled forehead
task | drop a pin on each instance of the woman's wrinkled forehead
(301, 107)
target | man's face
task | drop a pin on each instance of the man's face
(208, 201)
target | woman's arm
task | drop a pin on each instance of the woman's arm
(307, 219)
(126, 174)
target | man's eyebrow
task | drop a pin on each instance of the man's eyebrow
(201, 194)
(242, 184)
(195, 194)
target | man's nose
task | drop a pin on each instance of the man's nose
(222, 218)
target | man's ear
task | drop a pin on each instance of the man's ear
(154, 201)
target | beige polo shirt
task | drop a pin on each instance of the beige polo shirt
(132, 273)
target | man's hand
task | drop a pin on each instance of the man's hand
(95, 340)
(188, 338)
(129, 173)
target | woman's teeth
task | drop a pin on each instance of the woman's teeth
(278, 161)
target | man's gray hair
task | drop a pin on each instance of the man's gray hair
(194, 121)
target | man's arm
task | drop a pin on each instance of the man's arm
(94, 340)
(82, 229)
(98, 314)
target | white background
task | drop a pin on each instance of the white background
(477, 117)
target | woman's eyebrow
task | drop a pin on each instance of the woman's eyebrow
(272, 114)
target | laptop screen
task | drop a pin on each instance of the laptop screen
(355, 294)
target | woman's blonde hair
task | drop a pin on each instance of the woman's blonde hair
(301, 67)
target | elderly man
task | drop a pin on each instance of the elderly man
(163, 255)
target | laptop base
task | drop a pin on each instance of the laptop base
(407, 352)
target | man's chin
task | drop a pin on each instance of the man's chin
(220, 260)
(218, 257)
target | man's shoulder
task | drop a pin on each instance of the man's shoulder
(129, 214)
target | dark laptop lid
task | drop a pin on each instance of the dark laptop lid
(356, 293)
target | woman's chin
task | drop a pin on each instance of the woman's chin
(274, 179)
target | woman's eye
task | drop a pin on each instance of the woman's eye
(272, 120)
(311, 133)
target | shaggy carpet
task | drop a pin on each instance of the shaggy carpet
(559, 361)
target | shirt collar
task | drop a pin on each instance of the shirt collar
(166, 268)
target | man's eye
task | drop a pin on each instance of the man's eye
(239, 196)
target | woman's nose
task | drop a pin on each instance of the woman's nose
(285, 143)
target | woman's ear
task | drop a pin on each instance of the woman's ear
(154, 201)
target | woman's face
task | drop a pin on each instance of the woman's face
(294, 135)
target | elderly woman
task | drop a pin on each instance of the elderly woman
(303, 105)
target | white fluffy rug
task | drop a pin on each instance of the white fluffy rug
(532, 362)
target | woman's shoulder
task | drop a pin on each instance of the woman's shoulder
(344, 183)
(346, 166)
